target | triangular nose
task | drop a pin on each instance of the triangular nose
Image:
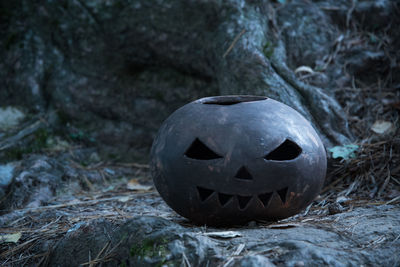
(243, 174)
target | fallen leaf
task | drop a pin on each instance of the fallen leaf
(342, 199)
(382, 127)
(391, 102)
(57, 144)
(396, 105)
(10, 238)
(133, 184)
(109, 171)
(224, 234)
(344, 152)
(304, 69)
(124, 199)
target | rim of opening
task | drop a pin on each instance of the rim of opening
(231, 99)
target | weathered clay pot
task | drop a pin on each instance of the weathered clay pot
(231, 159)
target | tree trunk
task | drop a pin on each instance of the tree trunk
(119, 68)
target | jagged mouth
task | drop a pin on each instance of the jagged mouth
(243, 201)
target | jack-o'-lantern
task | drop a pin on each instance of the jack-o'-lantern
(231, 159)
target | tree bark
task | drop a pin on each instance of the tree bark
(121, 67)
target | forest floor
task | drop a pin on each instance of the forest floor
(341, 228)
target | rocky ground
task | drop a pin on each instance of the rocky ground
(87, 84)
(66, 207)
(110, 214)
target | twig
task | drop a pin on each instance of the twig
(234, 42)
(105, 257)
(13, 140)
(228, 262)
(393, 200)
(239, 250)
(185, 260)
(332, 185)
(99, 254)
(396, 239)
(27, 257)
(17, 248)
(385, 183)
(76, 203)
(350, 12)
(135, 165)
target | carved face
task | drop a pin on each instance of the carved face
(232, 159)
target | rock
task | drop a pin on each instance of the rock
(35, 183)
(36, 179)
(84, 242)
(379, 12)
(307, 33)
(143, 241)
(29, 138)
(363, 236)
(361, 62)
(10, 117)
(251, 261)
(6, 175)
(335, 208)
(360, 55)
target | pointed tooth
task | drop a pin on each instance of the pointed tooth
(204, 193)
(282, 193)
(265, 198)
(243, 201)
(224, 198)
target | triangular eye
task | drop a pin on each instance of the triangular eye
(286, 151)
(198, 150)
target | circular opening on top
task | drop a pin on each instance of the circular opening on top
(231, 99)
